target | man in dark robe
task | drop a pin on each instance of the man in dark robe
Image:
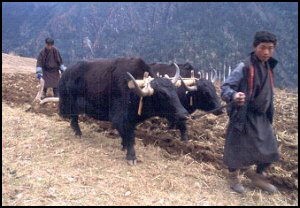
(49, 63)
(249, 136)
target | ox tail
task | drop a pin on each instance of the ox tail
(71, 87)
(66, 101)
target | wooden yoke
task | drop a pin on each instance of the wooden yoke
(146, 75)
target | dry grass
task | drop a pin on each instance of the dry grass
(43, 164)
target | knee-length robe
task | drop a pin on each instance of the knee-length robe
(50, 61)
(249, 136)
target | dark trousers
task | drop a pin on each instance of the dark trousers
(260, 168)
(55, 91)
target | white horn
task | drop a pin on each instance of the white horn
(224, 74)
(177, 75)
(199, 74)
(214, 77)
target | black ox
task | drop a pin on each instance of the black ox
(201, 96)
(100, 90)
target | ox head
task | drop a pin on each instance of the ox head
(204, 96)
(162, 96)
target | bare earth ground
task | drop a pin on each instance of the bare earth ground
(44, 164)
(13, 64)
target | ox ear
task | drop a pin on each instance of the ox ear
(188, 66)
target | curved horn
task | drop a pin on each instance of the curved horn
(177, 75)
(214, 78)
(141, 92)
(188, 88)
(199, 74)
(166, 76)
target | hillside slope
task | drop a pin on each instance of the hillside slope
(207, 34)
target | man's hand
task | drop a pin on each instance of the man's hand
(239, 98)
(62, 68)
(39, 76)
(39, 72)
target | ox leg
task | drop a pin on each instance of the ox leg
(127, 134)
(130, 140)
(117, 124)
(75, 125)
(125, 127)
(171, 125)
(182, 127)
(124, 144)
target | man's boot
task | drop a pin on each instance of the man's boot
(234, 182)
(260, 181)
(44, 92)
(55, 92)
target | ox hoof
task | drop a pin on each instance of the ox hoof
(131, 162)
(185, 141)
(78, 136)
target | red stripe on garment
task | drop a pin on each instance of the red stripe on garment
(271, 78)
(251, 78)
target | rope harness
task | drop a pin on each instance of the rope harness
(212, 111)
